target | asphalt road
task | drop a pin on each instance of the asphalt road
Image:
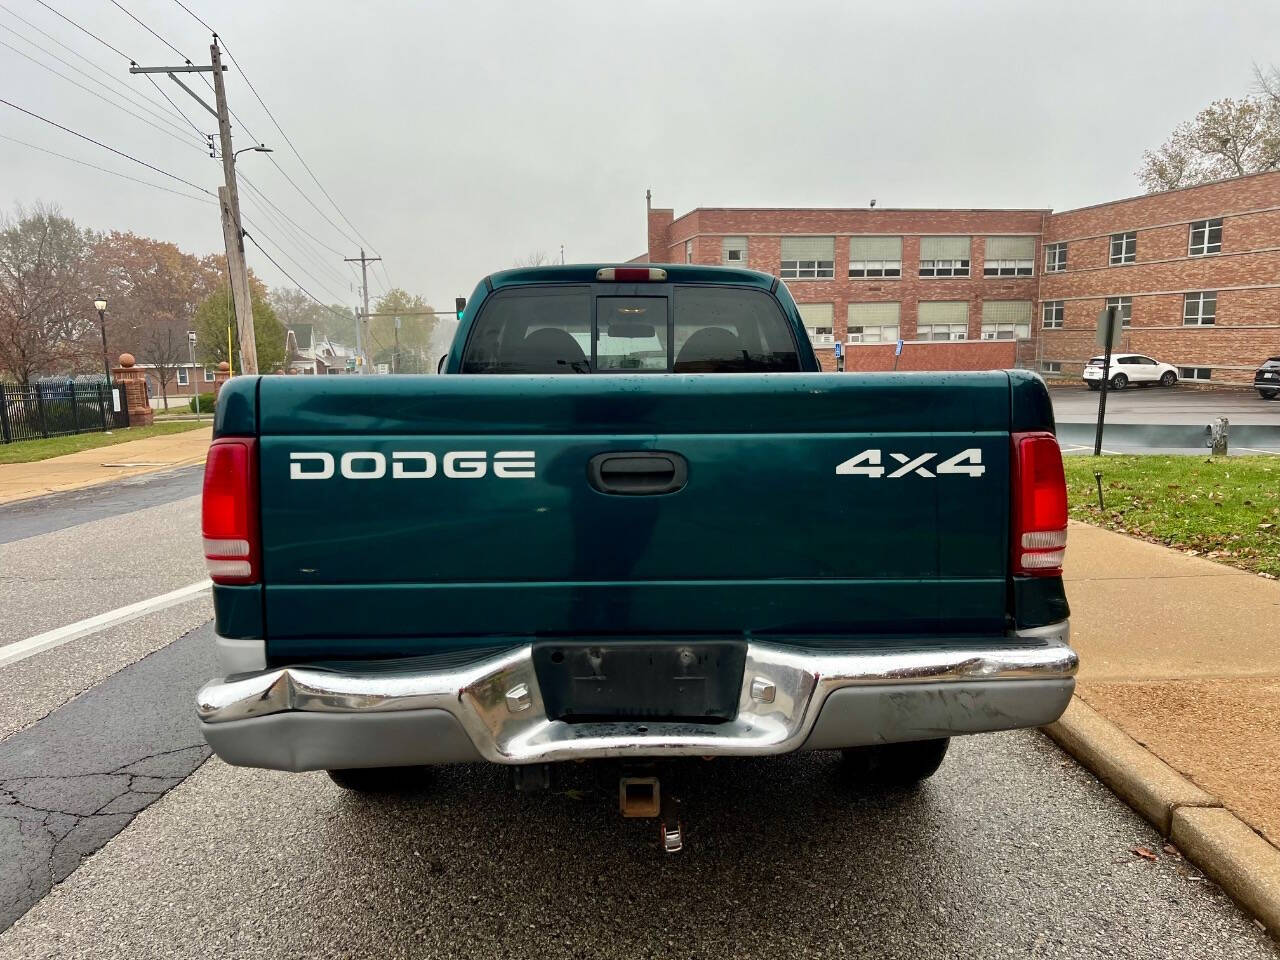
(1012, 850)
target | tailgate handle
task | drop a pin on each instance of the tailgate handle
(638, 473)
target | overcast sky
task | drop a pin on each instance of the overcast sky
(458, 137)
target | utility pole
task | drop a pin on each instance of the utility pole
(364, 290)
(395, 357)
(228, 198)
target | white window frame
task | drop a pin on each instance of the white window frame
(1193, 373)
(874, 269)
(688, 251)
(1201, 317)
(1126, 309)
(741, 257)
(807, 270)
(1124, 248)
(944, 268)
(1053, 314)
(821, 336)
(1008, 268)
(1050, 366)
(184, 377)
(954, 331)
(1055, 257)
(209, 375)
(1015, 331)
(1206, 245)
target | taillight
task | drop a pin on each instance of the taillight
(1039, 525)
(229, 513)
(631, 274)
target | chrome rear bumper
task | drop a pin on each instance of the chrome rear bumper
(302, 717)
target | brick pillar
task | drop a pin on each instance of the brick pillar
(134, 382)
(220, 376)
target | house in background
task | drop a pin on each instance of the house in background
(310, 353)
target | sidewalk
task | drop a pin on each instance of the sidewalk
(20, 481)
(1181, 654)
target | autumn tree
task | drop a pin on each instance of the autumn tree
(416, 327)
(46, 312)
(151, 287)
(1228, 138)
(165, 351)
(215, 315)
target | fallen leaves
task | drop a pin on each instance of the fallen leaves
(1145, 853)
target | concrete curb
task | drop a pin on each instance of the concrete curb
(1226, 848)
(123, 474)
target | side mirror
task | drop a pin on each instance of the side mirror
(440, 366)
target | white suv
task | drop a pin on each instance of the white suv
(1127, 368)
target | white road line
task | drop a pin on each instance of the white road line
(21, 649)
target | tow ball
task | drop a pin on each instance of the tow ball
(642, 797)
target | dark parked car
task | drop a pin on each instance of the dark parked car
(1267, 379)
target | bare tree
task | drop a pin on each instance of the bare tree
(1228, 138)
(165, 352)
(44, 302)
(539, 258)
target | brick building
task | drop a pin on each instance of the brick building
(1196, 270)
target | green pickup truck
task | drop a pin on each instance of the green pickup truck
(632, 520)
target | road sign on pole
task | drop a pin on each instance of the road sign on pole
(1110, 326)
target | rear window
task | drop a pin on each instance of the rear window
(580, 329)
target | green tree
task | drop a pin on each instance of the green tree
(215, 314)
(416, 328)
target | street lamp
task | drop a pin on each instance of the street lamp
(100, 305)
(260, 148)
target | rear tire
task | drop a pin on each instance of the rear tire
(1119, 381)
(1093, 386)
(894, 764)
(1168, 379)
(1268, 394)
(381, 779)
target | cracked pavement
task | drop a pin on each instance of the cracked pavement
(75, 779)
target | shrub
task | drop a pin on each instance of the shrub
(206, 403)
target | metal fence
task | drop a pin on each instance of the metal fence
(57, 409)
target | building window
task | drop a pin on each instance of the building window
(1126, 309)
(818, 319)
(688, 251)
(1124, 247)
(1050, 366)
(808, 258)
(1053, 313)
(1055, 257)
(1009, 257)
(873, 323)
(1006, 320)
(875, 257)
(183, 377)
(208, 375)
(1195, 373)
(1200, 309)
(1206, 237)
(734, 251)
(943, 320)
(944, 256)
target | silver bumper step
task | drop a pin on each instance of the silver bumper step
(303, 717)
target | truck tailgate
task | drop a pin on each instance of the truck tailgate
(382, 554)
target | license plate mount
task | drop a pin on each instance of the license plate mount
(670, 680)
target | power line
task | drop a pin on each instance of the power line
(98, 143)
(300, 227)
(322, 284)
(85, 30)
(152, 106)
(277, 223)
(280, 130)
(151, 123)
(190, 122)
(126, 12)
(320, 302)
(114, 173)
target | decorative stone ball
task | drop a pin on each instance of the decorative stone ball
(224, 366)
(126, 360)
